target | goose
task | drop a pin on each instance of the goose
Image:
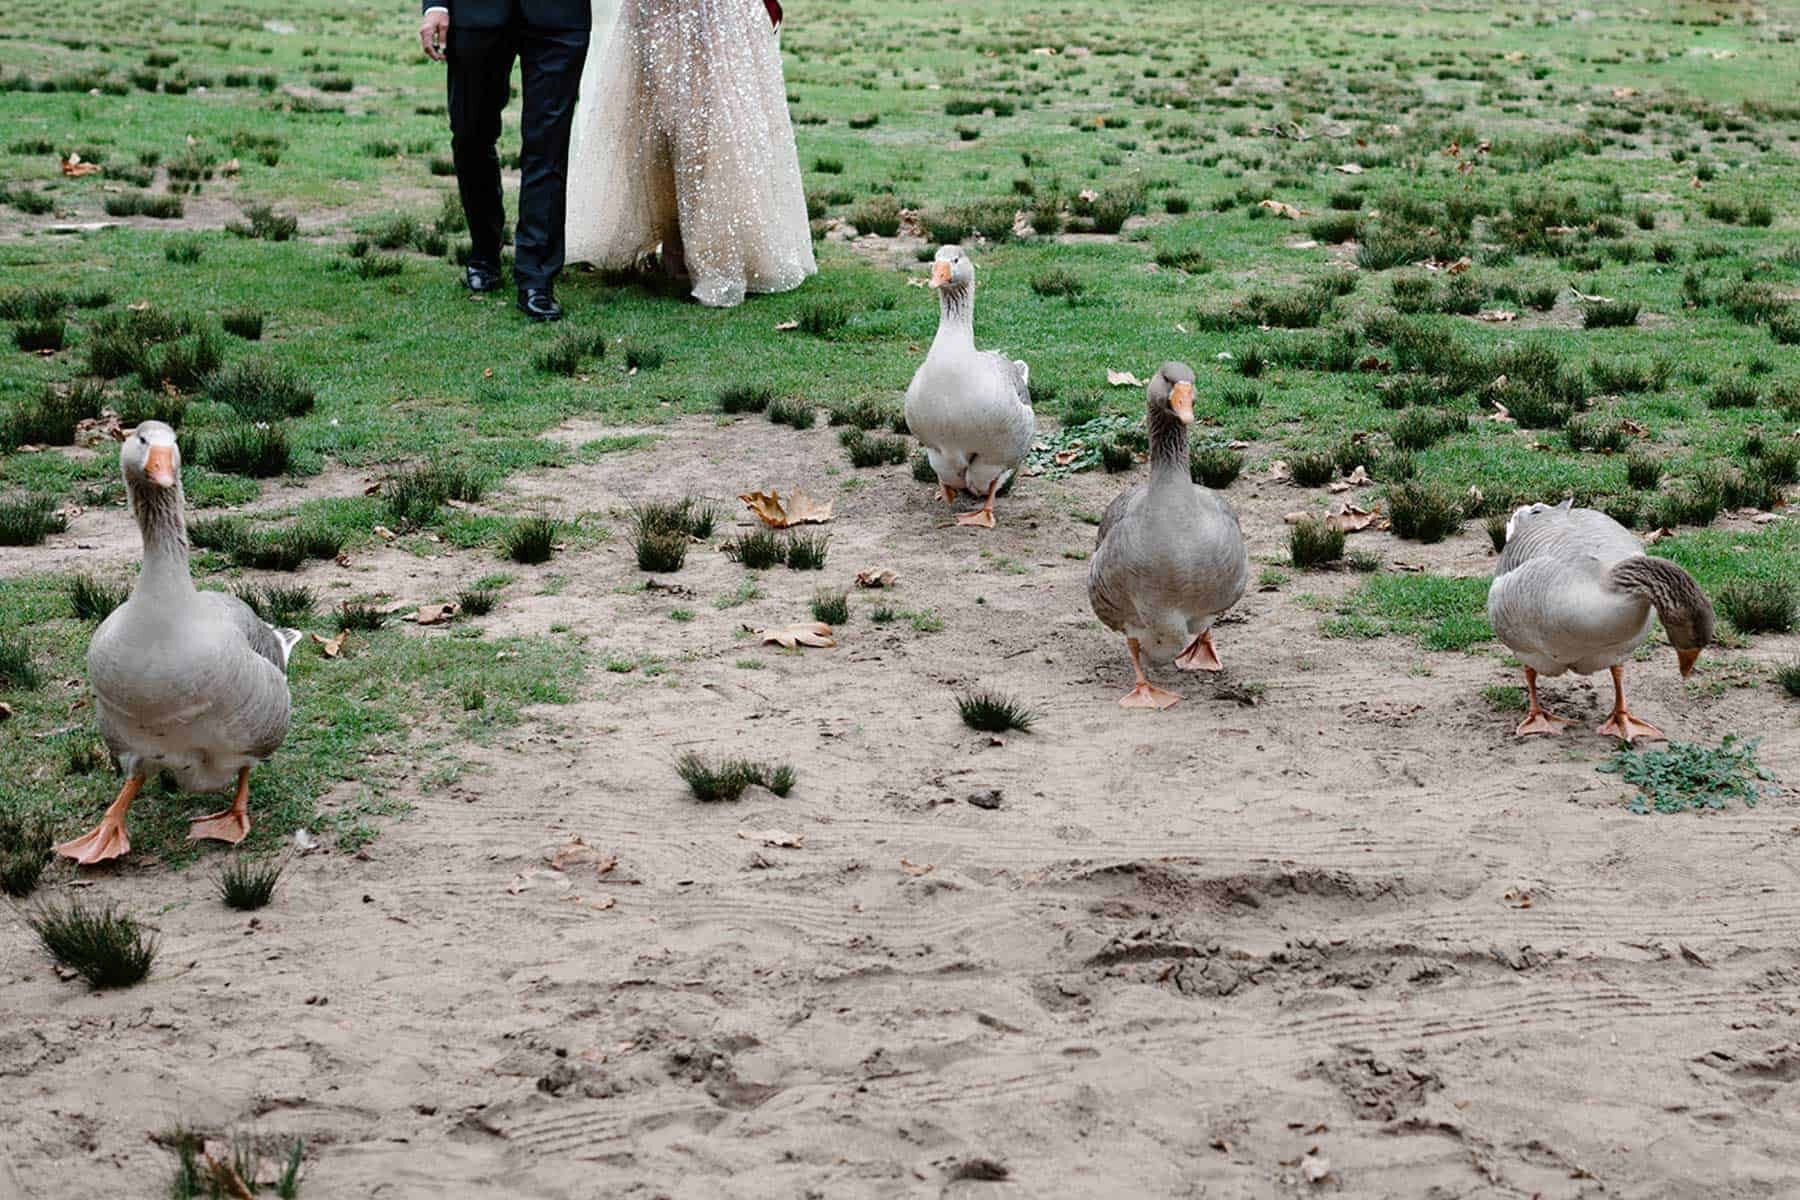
(970, 408)
(1573, 592)
(189, 681)
(1170, 556)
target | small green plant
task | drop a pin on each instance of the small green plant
(1788, 676)
(1214, 466)
(1058, 282)
(640, 356)
(1313, 543)
(714, 781)
(28, 521)
(883, 614)
(831, 607)
(1643, 469)
(245, 323)
(1763, 605)
(105, 947)
(1496, 531)
(359, 615)
(796, 414)
(285, 607)
(255, 451)
(533, 540)
(1115, 457)
(994, 712)
(93, 600)
(824, 318)
(660, 550)
(1314, 468)
(922, 471)
(1504, 698)
(1424, 512)
(477, 601)
(42, 334)
(806, 551)
(1687, 776)
(260, 389)
(876, 450)
(745, 398)
(25, 843)
(757, 550)
(247, 883)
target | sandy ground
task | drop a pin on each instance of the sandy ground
(1350, 940)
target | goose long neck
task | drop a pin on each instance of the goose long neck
(956, 316)
(1168, 444)
(159, 517)
(1678, 600)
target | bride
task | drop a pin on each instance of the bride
(682, 140)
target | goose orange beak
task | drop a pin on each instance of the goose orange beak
(940, 274)
(159, 465)
(1181, 400)
(1686, 659)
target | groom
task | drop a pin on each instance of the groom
(480, 39)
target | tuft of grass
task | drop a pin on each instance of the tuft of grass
(875, 450)
(1313, 543)
(288, 606)
(831, 607)
(660, 550)
(745, 398)
(824, 318)
(1788, 676)
(1734, 393)
(256, 451)
(757, 550)
(477, 601)
(245, 323)
(93, 600)
(641, 356)
(1115, 457)
(533, 540)
(1058, 282)
(1765, 605)
(1420, 428)
(994, 712)
(1643, 469)
(247, 883)
(25, 844)
(259, 389)
(40, 334)
(263, 222)
(570, 351)
(1496, 531)
(796, 414)
(1315, 468)
(1607, 314)
(1685, 775)
(105, 947)
(806, 551)
(359, 615)
(1214, 466)
(921, 468)
(1424, 512)
(416, 495)
(713, 781)
(28, 521)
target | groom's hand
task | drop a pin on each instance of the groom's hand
(434, 33)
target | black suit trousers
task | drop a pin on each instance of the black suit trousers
(480, 79)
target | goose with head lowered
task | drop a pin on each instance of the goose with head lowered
(1170, 556)
(186, 681)
(1574, 591)
(971, 409)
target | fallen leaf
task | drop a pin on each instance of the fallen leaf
(1657, 535)
(876, 579)
(1350, 168)
(1279, 472)
(231, 167)
(6, 711)
(384, 533)
(797, 509)
(1280, 209)
(1496, 315)
(333, 645)
(372, 489)
(806, 633)
(1316, 1168)
(1351, 518)
(1761, 518)
(227, 1180)
(1358, 477)
(913, 868)
(434, 614)
(780, 838)
(577, 853)
(1122, 378)
(1303, 244)
(1089, 195)
(1581, 295)
(1621, 93)
(1518, 898)
(74, 167)
(1501, 414)
(784, 326)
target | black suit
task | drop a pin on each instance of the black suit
(550, 40)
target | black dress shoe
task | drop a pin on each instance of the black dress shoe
(539, 303)
(480, 277)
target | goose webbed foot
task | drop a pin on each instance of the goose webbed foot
(982, 517)
(108, 839)
(1200, 655)
(949, 494)
(1148, 695)
(228, 825)
(1539, 720)
(1627, 728)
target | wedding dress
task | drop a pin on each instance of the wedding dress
(682, 140)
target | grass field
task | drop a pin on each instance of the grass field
(1261, 209)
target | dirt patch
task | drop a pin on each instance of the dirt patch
(1181, 951)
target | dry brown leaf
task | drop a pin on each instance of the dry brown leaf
(1581, 295)
(1294, 518)
(231, 167)
(333, 645)
(1122, 378)
(104, 427)
(1501, 414)
(372, 489)
(74, 167)
(577, 853)
(806, 633)
(1350, 168)
(434, 614)
(784, 326)
(1657, 535)
(780, 838)
(1280, 209)
(797, 509)
(1351, 518)
(1358, 477)
(1279, 472)
(876, 578)
(384, 533)
(913, 868)
(226, 1178)
(1065, 457)
(1496, 315)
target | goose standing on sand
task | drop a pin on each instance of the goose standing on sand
(189, 681)
(1170, 556)
(1574, 591)
(970, 408)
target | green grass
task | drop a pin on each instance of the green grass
(107, 948)
(247, 884)
(1441, 613)
(722, 780)
(994, 712)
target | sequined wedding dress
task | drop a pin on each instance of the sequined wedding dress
(682, 140)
